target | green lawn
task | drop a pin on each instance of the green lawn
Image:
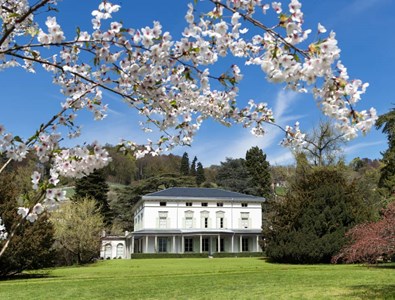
(203, 278)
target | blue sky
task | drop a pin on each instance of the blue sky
(364, 30)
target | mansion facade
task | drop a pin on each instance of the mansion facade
(190, 220)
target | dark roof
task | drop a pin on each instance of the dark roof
(206, 193)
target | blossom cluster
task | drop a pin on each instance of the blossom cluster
(12, 146)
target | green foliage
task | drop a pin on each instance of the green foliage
(387, 178)
(258, 169)
(184, 168)
(309, 224)
(192, 170)
(31, 246)
(78, 228)
(150, 166)
(200, 178)
(233, 175)
(95, 186)
(121, 169)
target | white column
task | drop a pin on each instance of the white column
(219, 243)
(146, 244)
(182, 244)
(174, 244)
(156, 244)
(201, 242)
(257, 243)
(233, 243)
(241, 244)
(132, 250)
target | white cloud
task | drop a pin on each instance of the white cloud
(354, 148)
(284, 158)
(361, 6)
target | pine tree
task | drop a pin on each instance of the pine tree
(309, 224)
(192, 171)
(233, 175)
(387, 178)
(95, 186)
(200, 178)
(184, 169)
(258, 170)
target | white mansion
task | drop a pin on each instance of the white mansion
(190, 220)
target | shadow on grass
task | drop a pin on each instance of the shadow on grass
(26, 276)
(373, 291)
(386, 266)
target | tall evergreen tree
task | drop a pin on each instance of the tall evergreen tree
(233, 175)
(387, 178)
(192, 171)
(258, 169)
(95, 186)
(309, 224)
(184, 168)
(200, 178)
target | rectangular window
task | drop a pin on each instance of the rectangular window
(162, 203)
(188, 222)
(221, 222)
(220, 204)
(244, 222)
(188, 203)
(188, 245)
(204, 204)
(162, 244)
(162, 222)
(205, 245)
(205, 222)
(244, 205)
(244, 244)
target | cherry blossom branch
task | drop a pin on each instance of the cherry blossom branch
(262, 26)
(31, 10)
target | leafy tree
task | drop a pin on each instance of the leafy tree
(184, 168)
(233, 175)
(192, 170)
(151, 166)
(78, 227)
(95, 186)
(31, 245)
(258, 169)
(309, 224)
(387, 178)
(122, 167)
(372, 241)
(200, 177)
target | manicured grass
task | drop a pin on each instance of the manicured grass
(203, 278)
